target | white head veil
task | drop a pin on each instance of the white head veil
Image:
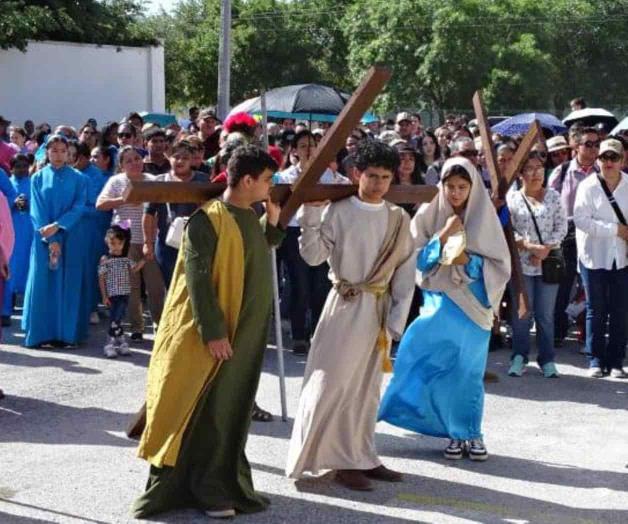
(485, 237)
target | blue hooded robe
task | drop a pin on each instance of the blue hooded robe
(53, 297)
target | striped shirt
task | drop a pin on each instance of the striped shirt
(115, 188)
(117, 272)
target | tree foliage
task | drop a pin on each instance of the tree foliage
(525, 54)
(117, 22)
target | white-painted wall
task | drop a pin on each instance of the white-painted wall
(63, 82)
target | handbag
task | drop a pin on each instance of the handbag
(552, 266)
(175, 229)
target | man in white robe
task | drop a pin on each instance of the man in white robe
(368, 246)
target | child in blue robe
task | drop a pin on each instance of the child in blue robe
(437, 386)
(23, 226)
(53, 290)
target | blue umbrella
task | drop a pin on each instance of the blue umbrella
(519, 124)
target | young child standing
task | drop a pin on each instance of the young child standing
(114, 278)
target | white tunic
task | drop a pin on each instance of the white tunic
(335, 424)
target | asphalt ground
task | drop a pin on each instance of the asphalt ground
(558, 448)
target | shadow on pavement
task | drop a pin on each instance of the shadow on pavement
(568, 388)
(416, 447)
(488, 505)
(15, 358)
(24, 419)
(277, 428)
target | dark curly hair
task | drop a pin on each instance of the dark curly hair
(248, 160)
(373, 153)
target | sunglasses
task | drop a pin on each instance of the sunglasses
(20, 166)
(591, 145)
(613, 157)
(125, 135)
(559, 152)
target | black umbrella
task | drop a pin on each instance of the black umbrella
(301, 101)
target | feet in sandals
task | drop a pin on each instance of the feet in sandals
(260, 415)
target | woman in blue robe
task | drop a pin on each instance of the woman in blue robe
(94, 224)
(53, 289)
(437, 386)
(23, 226)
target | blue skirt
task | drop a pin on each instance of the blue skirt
(437, 388)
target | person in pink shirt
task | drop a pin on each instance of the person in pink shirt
(7, 239)
(7, 152)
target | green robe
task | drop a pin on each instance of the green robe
(212, 469)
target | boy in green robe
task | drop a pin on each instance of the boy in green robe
(208, 354)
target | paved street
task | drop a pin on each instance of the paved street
(559, 449)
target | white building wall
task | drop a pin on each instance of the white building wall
(63, 82)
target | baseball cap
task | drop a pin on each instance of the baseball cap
(208, 113)
(613, 145)
(404, 115)
(556, 143)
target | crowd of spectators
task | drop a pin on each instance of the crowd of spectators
(64, 188)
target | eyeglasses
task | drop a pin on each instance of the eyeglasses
(125, 135)
(468, 154)
(613, 157)
(591, 145)
(538, 154)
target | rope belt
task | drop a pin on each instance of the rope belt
(350, 292)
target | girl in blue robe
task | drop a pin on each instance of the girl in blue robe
(94, 224)
(53, 289)
(23, 226)
(437, 387)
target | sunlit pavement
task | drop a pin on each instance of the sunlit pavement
(558, 448)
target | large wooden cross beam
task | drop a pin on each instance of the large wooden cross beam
(500, 184)
(305, 189)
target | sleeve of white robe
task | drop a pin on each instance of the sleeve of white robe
(317, 235)
(402, 290)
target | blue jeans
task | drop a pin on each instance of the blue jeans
(117, 310)
(542, 299)
(606, 293)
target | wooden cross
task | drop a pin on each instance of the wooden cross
(305, 189)
(500, 184)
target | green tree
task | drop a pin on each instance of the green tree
(117, 22)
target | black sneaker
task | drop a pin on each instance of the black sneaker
(455, 450)
(477, 450)
(137, 337)
(6, 321)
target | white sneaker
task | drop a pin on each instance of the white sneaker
(596, 372)
(94, 319)
(618, 373)
(110, 349)
(220, 513)
(477, 450)
(122, 346)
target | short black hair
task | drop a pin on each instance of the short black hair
(154, 132)
(580, 134)
(122, 234)
(82, 149)
(248, 160)
(579, 101)
(373, 153)
(298, 136)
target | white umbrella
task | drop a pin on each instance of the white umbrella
(590, 117)
(622, 126)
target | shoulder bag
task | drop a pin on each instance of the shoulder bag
(552, 266)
